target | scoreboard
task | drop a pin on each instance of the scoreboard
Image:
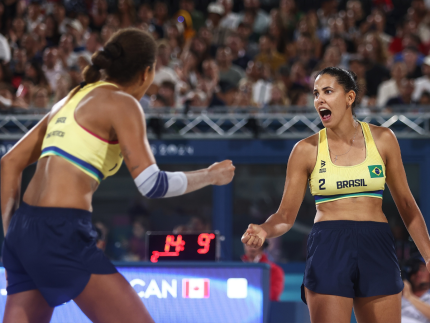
(166, 246)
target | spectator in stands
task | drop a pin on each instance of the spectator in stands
(196, 99)
(157, 101)
(244, 97)
(30, 42)
(76, 29)
(6, 97)
(375, 72)
(200, 49)
(244, 31)
(424, 99)
(93, 42)
(289, 16)
(269, 55)
(126, 13)
(5, 54)
(137, 241)
(40, 99)
(411, 59)
(98, 14)
(163, 72)
(332, 57)
(305, 52)
(299, 77)
(65, 51)
(227, 71)
(238, 51)
(34, 16)
(209, 78)
(261, 18)
(215, 13)
(52, 31)
(206, 36)
(405, 97)
(422, 83)
(107, 32)
(225, 96)
(18, 66)
(299, 98)
(5, 73)
(278, 95)
(277, 275)
(416, 295)
(52, 67)
(160, 14)
(255, 80)
(230, 19)
(198, 19)
(34, 73)
(390, 88)
(167, 91)
(16, 32)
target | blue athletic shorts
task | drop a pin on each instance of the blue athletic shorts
(53, 250)
(351, 259)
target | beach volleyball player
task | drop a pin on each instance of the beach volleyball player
(351, 260)
(49, 250)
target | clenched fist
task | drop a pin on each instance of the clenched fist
(254, 236)
(222, 173)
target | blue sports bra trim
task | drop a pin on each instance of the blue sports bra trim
(74, 160)
(327, 198)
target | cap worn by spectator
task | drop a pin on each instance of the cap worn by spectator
(75, 24)
(216, 8)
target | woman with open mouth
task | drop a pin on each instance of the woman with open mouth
(351, 261)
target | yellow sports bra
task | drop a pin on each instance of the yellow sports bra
(95, 156)
(329, 182)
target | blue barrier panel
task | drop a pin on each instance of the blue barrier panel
(187, 292)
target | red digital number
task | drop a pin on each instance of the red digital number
(170, 242)
(204, 240)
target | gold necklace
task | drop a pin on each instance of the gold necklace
(353, 138)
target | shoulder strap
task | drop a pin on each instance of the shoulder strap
(372, 150)
(323, 145)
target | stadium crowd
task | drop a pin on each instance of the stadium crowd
(255, 53)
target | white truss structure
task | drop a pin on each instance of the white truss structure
(247, 125)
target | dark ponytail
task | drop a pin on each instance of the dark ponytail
(347, 79)
(126, 54)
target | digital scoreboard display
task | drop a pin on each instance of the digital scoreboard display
(166, 246)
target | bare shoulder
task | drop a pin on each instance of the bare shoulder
(307, 146)
(304, 153)
(120, 103)
(382, 135)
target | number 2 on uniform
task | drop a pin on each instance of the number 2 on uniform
(322, 182)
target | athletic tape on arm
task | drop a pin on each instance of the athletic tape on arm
(154, 183)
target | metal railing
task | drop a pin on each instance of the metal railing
(241, 123)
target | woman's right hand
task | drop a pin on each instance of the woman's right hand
(221, 173)
(254, 236)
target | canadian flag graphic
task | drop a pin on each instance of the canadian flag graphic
(195, 288)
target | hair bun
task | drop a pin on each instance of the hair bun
(113, 51)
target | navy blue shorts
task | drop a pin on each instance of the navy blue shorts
(352, 259)
(52, 250)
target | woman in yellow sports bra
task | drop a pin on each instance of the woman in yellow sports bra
(351, 260)
(49, 250)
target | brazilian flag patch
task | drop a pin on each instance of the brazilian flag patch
(376, 171)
